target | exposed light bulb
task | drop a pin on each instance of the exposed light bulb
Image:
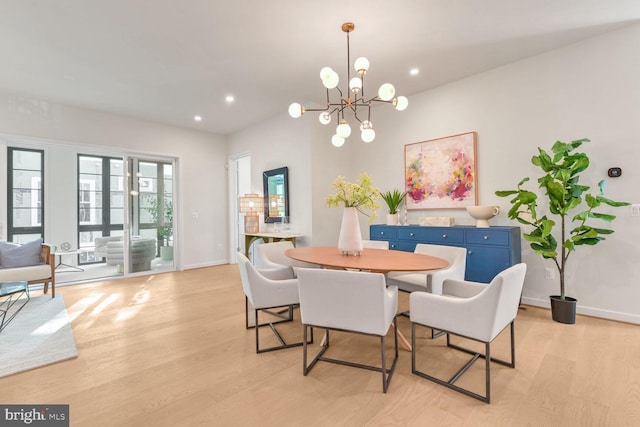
(368, 135)
(296, 110)
(330, 78)
(386, 92)
(355, 84)
(366, 124)
(343, 130)
(337, 141)
(401, 103)
(324, 118)
(361, 65)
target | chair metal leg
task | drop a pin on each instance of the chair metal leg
(487, 356)
(283, 344)
(387, 374)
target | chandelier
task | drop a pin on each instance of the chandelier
(359, 104)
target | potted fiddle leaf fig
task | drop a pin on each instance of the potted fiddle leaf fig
(571, 211)
(393, 199)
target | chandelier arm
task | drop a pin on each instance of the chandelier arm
(355, 114)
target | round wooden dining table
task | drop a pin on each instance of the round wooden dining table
(375, 260)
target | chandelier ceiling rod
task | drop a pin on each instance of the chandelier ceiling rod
(330, 80)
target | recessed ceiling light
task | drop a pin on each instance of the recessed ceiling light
(414, 72)
(197, 118)
(229, 99)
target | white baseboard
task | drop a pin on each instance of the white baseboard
(588, 311)
(206, 264)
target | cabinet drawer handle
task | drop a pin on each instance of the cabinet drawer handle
(411, 234)
(486, 237)
(382, 233)
(444, 236)
(393, 246)
(470, 252)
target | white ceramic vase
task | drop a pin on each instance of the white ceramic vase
(350, 240)
(393, 219)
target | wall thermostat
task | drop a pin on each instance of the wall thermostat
(614, 172)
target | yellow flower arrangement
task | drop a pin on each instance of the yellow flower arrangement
(361, 196)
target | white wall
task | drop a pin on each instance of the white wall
(275, 143)
(587, 90)
(64, 131)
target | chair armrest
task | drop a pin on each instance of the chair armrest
(468, 316)
(280, 272)
(462, 288)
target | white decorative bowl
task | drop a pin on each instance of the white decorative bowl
(483, 214)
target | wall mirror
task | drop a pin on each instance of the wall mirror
(275, 184)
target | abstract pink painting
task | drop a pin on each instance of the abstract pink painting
(441, 173)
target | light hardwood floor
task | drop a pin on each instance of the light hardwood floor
(171, 350)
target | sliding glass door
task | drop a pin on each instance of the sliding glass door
(125, 215)
(150, 227)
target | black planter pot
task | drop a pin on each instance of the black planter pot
(563, 310)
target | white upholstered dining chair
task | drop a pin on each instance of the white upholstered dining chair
(272, 256)
(349, 301)
(476, 311)
(266, 290)
(431, 281)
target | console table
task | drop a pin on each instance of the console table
(269, 237)
(489, 250)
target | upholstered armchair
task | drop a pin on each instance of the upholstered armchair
(474, 311)
(142, 250)
(431, 281)
(348, 301)
(264, 295)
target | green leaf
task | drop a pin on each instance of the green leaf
(505, 193)
(604, 217)
(611, 202)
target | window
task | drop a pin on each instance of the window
(100, 201)
(25, 194)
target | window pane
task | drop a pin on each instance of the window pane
(149, 170)
(89, 216)
(115, 167)
(26, 217)
(117, 183)
(25, 238)
(27, 198)
(87, 240)
(117, 216)
(91, 182)
(90, 165)
(151, 233)
(27, 160)
(117, 199)
(26, 179)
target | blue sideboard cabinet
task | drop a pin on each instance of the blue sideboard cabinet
(489, 250)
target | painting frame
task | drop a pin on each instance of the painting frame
(441, 173)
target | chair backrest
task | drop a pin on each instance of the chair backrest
(510, 283)
(375, 244)
(348, 300)
(244, 264)
(263, 292)
(273, 253)
(455, 255)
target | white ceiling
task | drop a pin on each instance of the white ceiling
(168, 60)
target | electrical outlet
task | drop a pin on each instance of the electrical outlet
(549, 274)
(635, 210)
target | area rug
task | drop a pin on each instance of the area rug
(39, 335)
